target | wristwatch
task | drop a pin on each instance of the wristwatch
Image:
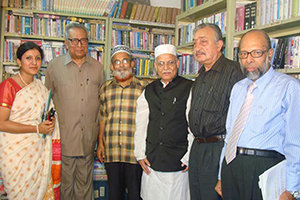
(295, 194)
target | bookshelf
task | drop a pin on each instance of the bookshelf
(51, 35)
(151, 34)
(285, 24)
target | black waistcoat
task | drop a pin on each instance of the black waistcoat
(166, 141)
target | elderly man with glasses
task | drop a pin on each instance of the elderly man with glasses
(263, 124)
(117, 125)
(75, 79)
(161, 137)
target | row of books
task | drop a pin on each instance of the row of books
(188, 4)
(83, 7)
(144, 65)
(50, 25)
(185, 32)
(134, 11)
(112, 8)
(245, 16)
(272, 11)
(141, 38)
(286, 52)
(264, 12)
(188, 65)
(51, 50)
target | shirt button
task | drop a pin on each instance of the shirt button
(82, 115)
(161, 128)
(82, 129)
(161, 143)
(81, 84)
(80, 70)
(81, 99)
(162, 113)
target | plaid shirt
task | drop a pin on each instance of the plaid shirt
(117, 111)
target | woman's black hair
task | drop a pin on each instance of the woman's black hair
(23, 48)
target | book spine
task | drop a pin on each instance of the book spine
(119, 9)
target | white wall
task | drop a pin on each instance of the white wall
(166, 3)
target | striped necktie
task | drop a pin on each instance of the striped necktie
(230, 152)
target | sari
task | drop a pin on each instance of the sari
(30, 164)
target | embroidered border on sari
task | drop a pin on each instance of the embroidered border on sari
(56, 167)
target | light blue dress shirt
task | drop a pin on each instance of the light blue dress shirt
(273, 122)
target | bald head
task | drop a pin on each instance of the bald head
(259, 35)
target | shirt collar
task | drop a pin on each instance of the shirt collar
(69, 59)
(134, 81)
(264, 80)
(216, 66)
(165, 85)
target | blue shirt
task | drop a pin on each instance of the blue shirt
(273, 122)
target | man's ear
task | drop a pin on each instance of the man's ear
(220, 45)
(66, 43)
(270, 54)
(132, 63)
(155, 66)
(111, 67)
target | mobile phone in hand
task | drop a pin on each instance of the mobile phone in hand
(50, 114)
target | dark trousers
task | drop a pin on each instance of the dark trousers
(203, 170)
(240, 177)
(121, 176)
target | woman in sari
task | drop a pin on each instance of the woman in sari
(29, 146)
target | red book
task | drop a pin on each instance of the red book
(123, 11)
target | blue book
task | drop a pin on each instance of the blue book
(137, 40)
(119, 9)
(22, 25)
(27, 25)
(119, 41)
(114, 9)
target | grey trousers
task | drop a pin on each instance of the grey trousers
(77, 177)
(203, 170)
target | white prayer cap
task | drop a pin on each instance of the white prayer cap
(120, 48)
(165, 48)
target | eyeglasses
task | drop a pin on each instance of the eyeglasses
(170, 63)
(125, 61)
(256, 53)
(75, 41)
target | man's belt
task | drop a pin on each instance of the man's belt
(260, 153)
(211, 139)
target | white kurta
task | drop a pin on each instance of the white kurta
(159, 185)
